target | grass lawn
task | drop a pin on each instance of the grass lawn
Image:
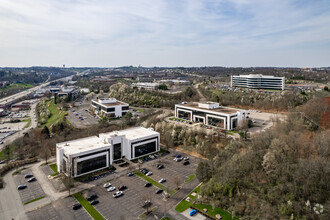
(183, 205)
(140, 110)
(67, 121)
(165, 218)
(33, 200)
(155, 183)
(57, 115)
(89, 208)
(3, 155)
(232, 132)
(212, 212)
(16, 86)
(28, 123)
(54, 168)
(190, 178)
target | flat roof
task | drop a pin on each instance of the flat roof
(110, 104)
(82, 145)
(220, 109)
(133, 133)
(258, 76)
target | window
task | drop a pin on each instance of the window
(184, 115)
(110, 109)
(91, 164)
(145, 149)
(234, 123)
(217, 122)
(117, 151)
(124, 108)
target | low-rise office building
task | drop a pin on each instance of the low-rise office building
(111, 107)
(258, 81)
(210, 113)
(82, 156)
(146, 85)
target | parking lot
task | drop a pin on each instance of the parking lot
(60, 209)
(33, 189)
(81, 118)
(130, 204)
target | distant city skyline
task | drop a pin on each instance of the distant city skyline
(165, 33)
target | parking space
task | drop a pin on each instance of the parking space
(79, 117)
(60, 209)
(33, 189)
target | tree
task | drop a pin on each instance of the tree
(162, 87)
(203, 171)
(189, 92)
(243, 128)
(177, 181)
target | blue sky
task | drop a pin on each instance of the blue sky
(165, 33)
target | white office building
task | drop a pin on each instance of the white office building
(210, 113)
(109, 107)
(87, 155)
(258, 81)
(145, 85)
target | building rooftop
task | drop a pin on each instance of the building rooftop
(109, 102)
(220, 109)
(82, 145)
(257, 76)
(131, 133)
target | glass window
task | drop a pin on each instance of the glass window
(145, 149)
(217, 122)
(124, 108)
(234, 123)
(91, 164)
(110, 109)
(117, 151)
(184, 115)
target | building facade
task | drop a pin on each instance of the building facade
(210, 113)
(145, 85)
(111, 107)
(258, 81)
(82, 156)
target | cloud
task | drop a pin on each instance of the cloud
(194, 32)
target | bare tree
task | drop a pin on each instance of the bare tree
(177, 181)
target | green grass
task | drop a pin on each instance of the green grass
(12, 149)
(57, 115)
(165, 218)
(143, 215)
(155, 183)
(89, 208)
(190, 178)
(184, 205)
(19, 171)
(28, 123)
(232, 132)
(213, 212)
(33, 200)
(16, 86)
(67, 121)
(54, 168)
(140, 110)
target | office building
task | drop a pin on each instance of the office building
(210, 113)
(258, 81)
(145, 85)
(82, 156)
(110, 107)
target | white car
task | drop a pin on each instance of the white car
(112, 188)
(149, 173)
(117, 194)
(162, 180)
(107, 185)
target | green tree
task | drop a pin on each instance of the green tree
(162, 87)
(189, 92)
(203, 171)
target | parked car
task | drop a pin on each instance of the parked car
(186, 163)
(92, 197)
(32, 179)
(107, 185)
(147, 185)
(94, 202)
(118, 194)
(112, 188)
(122, 187)
(149, 173)
(179, 159)
(28, 176)
(76, 206)
(130, 174)
(158, 191)
(186, 158)
(162, 180)
(20, 187)
(192, 212)
(160, 166)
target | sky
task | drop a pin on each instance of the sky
(103, 33)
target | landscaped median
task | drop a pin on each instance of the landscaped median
(184, 205)
(155, 183)
(33, 200)
(54, 168)
(89, 208)
(190, 178)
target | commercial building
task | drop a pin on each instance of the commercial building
(145, 85)
(86, 155)
(210, 113)
(258, 81)
(111, 107)
(71, 93)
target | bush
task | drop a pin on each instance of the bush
(1, 183)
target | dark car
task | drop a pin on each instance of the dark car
(178, 156)
(147, 185)
(92, 197)
(28, 176)
(160, 166)
(76, 206)
(159, 191)
(122, 187)
(20, 187)
(32, 179)
(94, 202)
(186, 162)
(130, 174)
